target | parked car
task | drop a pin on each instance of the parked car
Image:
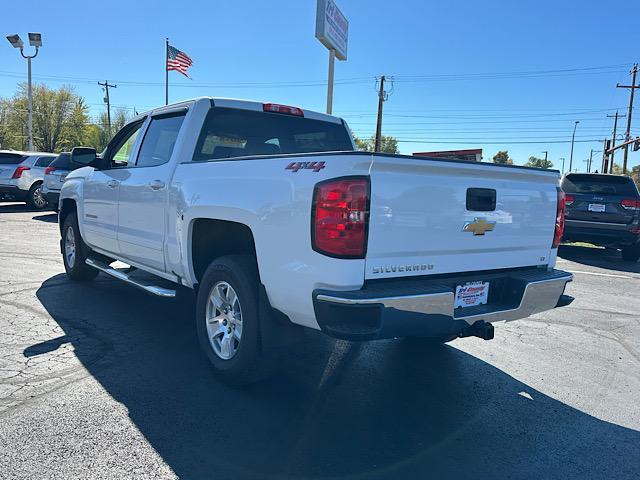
(603, 210)
(268, 213)
(54, 176)
(21, 176)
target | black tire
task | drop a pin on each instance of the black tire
(35, 198)
(247, 364)
(631, 253)
(76, 268)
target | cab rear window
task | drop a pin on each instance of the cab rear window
(599, 184)
(229, 132)
(11, 158)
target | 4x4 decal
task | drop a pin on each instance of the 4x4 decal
(315, 166)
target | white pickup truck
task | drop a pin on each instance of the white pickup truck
(268, 213)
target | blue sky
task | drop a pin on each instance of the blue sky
(454, 63)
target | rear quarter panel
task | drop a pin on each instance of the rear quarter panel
(275, 203)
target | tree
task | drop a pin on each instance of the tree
(502, 158)
(59, 117)
(388, 144)
(77, 125)
(635, 175)
(60, 121)
(616, 169)
(7, 139)
(538, 163)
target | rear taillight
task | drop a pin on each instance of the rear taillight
(630, 204)
(557, 235)
(568, 200)
(340, 215)
(18, 172)
(48, 170)
(277, 108)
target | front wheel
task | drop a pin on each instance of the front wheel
(227, 320)
(631, 253)
(75, 252)
(35, 198)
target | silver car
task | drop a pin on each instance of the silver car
(54, 176)
(21, 176)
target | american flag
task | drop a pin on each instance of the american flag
(178, 60)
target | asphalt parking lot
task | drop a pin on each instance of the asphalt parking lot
(100, 380)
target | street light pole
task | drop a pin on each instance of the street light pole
(573, 139)
(30, 96)
(562, 165)
(35, 40)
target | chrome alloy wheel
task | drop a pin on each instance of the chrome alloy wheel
(224, 320)
(70, 247)
(38, 198)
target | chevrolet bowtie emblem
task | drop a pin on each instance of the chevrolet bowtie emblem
(479, 226)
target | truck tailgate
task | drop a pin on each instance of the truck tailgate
(434, 217)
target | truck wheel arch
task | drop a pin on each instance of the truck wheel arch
(213, 238)
(68, 206)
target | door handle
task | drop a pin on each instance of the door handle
(113, 183)
(156, 184)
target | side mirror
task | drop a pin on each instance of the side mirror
(85, 156)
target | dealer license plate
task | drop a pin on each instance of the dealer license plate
(471, 294)
(596, 207)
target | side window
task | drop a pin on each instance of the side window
(120, 153)
(159, 140)
(44, 161)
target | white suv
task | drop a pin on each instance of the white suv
(21, 176)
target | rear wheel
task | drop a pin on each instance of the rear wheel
(631, 253)
(75, 251)
(35, 198)
(227, 320)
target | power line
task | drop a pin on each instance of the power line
(494, 142)
(346, 81)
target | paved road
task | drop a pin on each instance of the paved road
(103, 381)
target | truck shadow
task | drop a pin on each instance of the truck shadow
(50, 217)
(598, 257)
(389, 409)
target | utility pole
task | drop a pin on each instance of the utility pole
(590, 160)
(562, 164)
(605, 156)
(383, 96)
(573, 139)
(615, 129)
(106, 86)
(627, 135)
(545, 156)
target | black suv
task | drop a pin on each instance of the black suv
(603, 210)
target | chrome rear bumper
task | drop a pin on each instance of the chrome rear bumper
(400, 309)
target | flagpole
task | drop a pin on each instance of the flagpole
(166, 72)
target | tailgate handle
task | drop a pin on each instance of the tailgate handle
(481, 199)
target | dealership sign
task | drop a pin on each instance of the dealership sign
(332, 28)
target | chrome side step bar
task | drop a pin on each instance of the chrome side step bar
(125, 277)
